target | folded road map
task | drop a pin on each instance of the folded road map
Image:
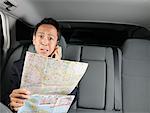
(50, 81)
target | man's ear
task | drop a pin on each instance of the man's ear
(33, 40)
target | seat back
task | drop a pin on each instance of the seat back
(96, 89)
(136, 76)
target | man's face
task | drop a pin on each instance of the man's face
(45, 40)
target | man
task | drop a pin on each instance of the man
(45, 40)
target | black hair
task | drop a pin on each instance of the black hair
(49, 21)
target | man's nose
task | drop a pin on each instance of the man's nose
(45, 41)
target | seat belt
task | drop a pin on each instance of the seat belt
(117, 82)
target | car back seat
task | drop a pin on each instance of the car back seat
(97, 87)
(136, 76)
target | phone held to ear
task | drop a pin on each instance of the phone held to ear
(56, 53)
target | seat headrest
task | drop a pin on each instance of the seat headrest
(62, 42)
(96, 53)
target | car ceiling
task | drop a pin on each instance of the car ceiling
(136, 12)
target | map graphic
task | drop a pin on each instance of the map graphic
(51, 79)
(47, 104)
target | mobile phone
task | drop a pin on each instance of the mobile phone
(53, 54)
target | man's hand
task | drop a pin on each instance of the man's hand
(17, 98)
(57, 53)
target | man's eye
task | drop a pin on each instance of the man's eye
(50, 38)
(41, 36)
